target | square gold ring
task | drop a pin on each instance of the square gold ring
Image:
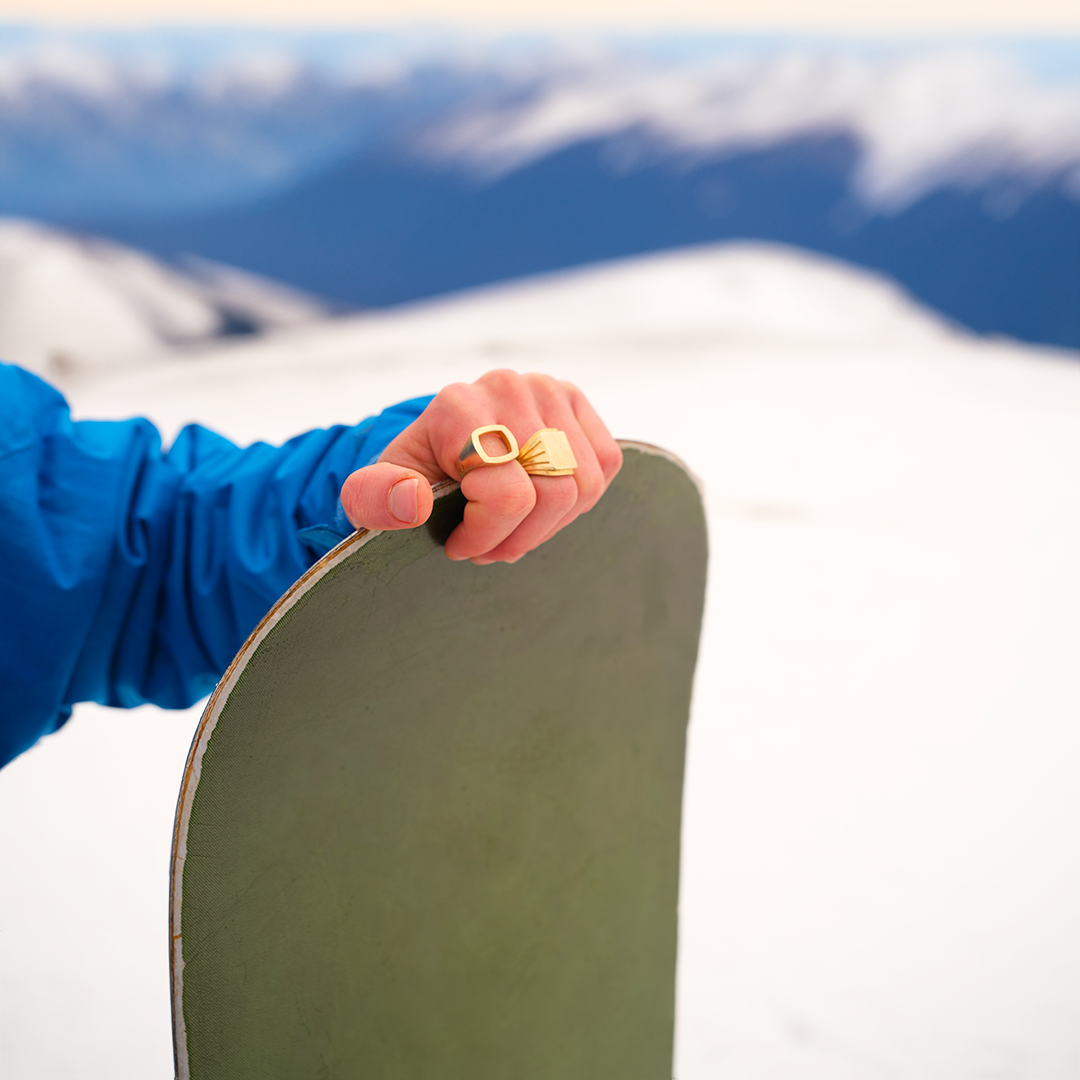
(473, 455)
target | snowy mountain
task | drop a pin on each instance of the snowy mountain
(920, 122)
(383, 229)
(146, 124)
(76, 300)
(378, 170)
(245, 122)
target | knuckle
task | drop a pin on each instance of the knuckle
(507, 386)
(610, 458)
(559, 494)
(570, 394)
(543, 386)
(590, 488)
(452, 397)
(500, 378)
(514, 498)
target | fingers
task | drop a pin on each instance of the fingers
(508, 512)
(386, 496)
(555, 498)
(598, 456)
(608, 455)
(499, 397)
(524, 404)
(500, 498)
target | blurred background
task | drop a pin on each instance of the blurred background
(828, 255)
(370, 168)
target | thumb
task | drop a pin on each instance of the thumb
(385, 496)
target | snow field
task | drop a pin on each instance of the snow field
(880, 872)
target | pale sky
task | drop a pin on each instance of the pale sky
(829, 16)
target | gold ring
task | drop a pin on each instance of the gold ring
(473, 455)
(548, 453)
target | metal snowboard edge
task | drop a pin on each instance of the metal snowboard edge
(212, 711)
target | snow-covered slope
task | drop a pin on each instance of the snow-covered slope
(70, 305)
(73, 300)
(879, 869)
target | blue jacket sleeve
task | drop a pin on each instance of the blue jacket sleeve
(132, 575)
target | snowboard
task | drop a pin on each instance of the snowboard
(429, 823)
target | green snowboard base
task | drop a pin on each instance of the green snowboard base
(429, 824)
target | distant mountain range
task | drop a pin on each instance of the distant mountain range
(956, 173)
(383, 229)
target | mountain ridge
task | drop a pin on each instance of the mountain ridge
(411, 170)
(383, 229)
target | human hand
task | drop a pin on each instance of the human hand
(508, 512)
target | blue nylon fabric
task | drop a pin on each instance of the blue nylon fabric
(132, 575)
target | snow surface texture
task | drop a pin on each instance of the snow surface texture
(75, 300)
(880, 873)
